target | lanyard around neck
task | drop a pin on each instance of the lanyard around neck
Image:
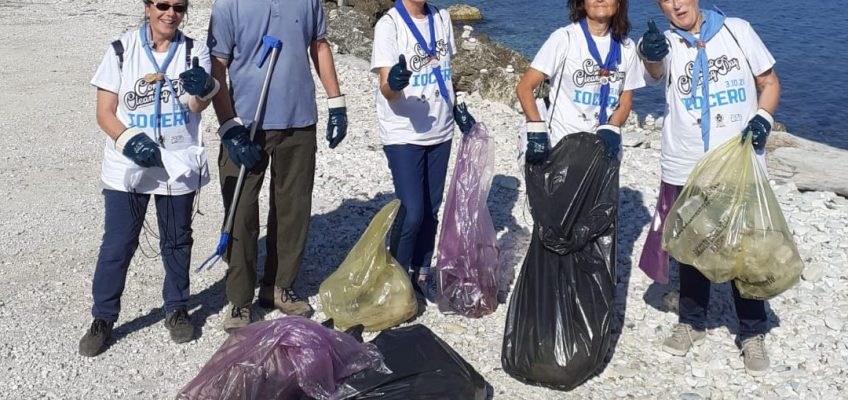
(605, 67)
(430, 50)
(160, 76)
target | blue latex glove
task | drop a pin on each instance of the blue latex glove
(198, 83)
(653, 46)
(337, 121)
(236, 138)
(138, 147)
(538, 144)
(759, 128)
(399, 75)
(612, 139)
(463, 118)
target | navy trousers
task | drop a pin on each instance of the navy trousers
(124, 220)
(695, 301)
(418, 173)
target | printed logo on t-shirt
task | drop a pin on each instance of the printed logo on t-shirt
(143, 94)
(591, 74)
(733, 91)
(422, 61)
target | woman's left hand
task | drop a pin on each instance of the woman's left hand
(199, 83)
(463, 118)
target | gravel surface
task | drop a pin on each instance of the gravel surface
(52, 217)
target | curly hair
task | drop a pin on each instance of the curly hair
(619, 25)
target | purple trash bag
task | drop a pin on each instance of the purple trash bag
(286, 358)
(467, 265)
(654, 260)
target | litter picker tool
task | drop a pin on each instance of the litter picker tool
(270, 46)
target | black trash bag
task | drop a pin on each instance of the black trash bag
(423, 367)
(557, 330)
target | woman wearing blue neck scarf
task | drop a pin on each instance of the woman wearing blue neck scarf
(741, 94)
(152, 85)
(593, 70)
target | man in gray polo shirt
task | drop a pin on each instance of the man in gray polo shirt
(286, 140)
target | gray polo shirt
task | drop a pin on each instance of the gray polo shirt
(236, 28)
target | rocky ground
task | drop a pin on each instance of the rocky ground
(52, 217)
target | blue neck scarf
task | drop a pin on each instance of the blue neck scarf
(607, 66)
(430, 49)
(146, 40)
(713, 21)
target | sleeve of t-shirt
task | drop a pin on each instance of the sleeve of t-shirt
(221, 36)
(753, 47)
(320, 21)
(451, 38)
(108, 75)
(551, 54)
(634, 74)
(385, 52)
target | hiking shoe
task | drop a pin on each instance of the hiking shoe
(179, 325)
(754, 355)
(682, 338)
(285, 300)
(238, 317)
(429, 288)
(94, 341)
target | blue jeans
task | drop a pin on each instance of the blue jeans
(418, 173)
(124, 220)
(695, 301)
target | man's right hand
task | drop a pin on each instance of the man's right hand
(653, 46)
(538, 144)
(236, 138)
(399, 75)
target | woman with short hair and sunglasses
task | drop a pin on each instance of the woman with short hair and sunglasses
(152, 85)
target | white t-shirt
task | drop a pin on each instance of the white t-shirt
(180, 127)
(578, 98)
(733, 95)
(421, 115)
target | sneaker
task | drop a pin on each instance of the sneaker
(754, 355)
(285, 300)
(238, 317)
(94, 341)
(682, 338)
(429, 288)
(179, 325)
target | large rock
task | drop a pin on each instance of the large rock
(810, 165)
(503, 68)
(464, 13)
(349, 30)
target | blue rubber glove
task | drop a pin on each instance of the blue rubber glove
(538, 144)
(759, 128)
(653, 46)
(236, 138)
(611, 135)
(198, 83)
(337, 121)
(138, 147)
(464, 120)
(399, 75)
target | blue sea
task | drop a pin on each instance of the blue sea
(807, 38)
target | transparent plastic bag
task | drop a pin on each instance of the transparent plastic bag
(286, 358)
(370, 287)
(728, 224)
(467, 263)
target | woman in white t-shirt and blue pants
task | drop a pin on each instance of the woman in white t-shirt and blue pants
(152, 85)
(413, 45)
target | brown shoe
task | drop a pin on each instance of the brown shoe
(237, 317)
(284, 300)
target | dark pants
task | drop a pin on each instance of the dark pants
(418, 173)
(124, 220)
(695, 301)
(291, 154)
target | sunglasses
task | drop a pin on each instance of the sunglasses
(178, 8)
